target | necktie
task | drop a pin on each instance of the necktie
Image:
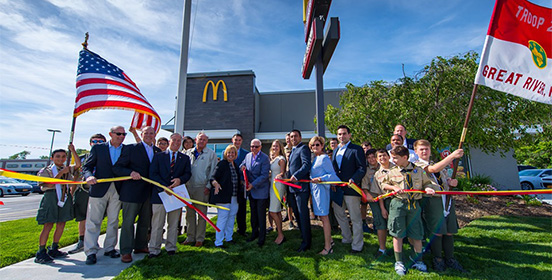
(173, 160)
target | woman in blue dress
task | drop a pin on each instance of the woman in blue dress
(322, 171)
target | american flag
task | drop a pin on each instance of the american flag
(102, 85)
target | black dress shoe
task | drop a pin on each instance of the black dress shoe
(261, 244)
(171, 253)
(353, 251)
(302, 249)
(91, 259)
(112, 254)
(282, 242)
(251, 238)
(151, 256)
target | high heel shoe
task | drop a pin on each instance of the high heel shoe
(281, 242)
(325, 251)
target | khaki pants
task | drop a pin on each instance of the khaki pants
(351, 203)
(195, 223)
(97, 206)
(157, 224)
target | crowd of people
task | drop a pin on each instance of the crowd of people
(311, 176)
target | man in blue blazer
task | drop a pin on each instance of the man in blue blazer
(172, 169)
(135, 194)
(104, 197)
(350, 165)
(237, 141)
(257, 166)
(299, 169)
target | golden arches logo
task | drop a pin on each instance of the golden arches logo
(215, 90)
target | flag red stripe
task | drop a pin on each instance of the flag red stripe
(111, 104)
(105, 81)
(519, 21)
(92, 92)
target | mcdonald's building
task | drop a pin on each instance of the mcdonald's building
(225, 103)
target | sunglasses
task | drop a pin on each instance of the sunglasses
(316, 145)
(119, 133)
(255, 146)
(97, 141)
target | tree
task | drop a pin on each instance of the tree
(20, 155)
(433, 104)
(81, 152)
(539, 152)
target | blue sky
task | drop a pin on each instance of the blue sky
(40, 41)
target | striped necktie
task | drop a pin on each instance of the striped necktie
(173, 161)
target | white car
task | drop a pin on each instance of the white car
(534, 178)
(12, 186)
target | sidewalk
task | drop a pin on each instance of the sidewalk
(74, 267)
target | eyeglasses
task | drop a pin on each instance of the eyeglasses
(255, 146)
(119, 133)
(97, 141)
(316, 145)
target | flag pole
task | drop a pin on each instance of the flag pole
(74, 122)
(462, 139)
(464, 129)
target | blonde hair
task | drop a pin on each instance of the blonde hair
(317, 138)
(281, 149)
(227, 150)
(421, 142)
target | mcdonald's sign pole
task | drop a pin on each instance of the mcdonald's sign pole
(319, 51)
(183, 74)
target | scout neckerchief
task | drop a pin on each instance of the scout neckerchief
(59, 188)
(437, 176)
(409, 184)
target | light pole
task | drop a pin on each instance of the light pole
(52, 144)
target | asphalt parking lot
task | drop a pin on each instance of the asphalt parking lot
(18, 207)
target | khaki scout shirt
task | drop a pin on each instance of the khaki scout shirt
(419, 180)
(435, 177)
(368, 181)
(380, 176)
(47, 172)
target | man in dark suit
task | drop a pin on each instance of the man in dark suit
(401, 130)
(135, 194)
(350, 165)
(298, 199)
(257, 166)
(172, 169)
(237, 141)
(104, 197)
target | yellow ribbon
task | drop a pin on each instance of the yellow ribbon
(277, 193)
(28, 177)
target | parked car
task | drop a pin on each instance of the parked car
(12, 186)
(533, 178)
(34, 184)
(523, 167)
(547, 182)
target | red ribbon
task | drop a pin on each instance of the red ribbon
(200, 213)
(245, 179)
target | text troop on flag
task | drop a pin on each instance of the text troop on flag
(102, 85)
(518, 49)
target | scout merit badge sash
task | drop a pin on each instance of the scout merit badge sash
(61, 191)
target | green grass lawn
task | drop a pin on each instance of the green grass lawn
(19, 238)
(492, 247)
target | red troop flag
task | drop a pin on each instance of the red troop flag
(102, 85)
(517, 54)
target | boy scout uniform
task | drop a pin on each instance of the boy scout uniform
(435, 218)
(49, 211)
(80, 197)
(369, 183)
(378, 180)
(405, 209)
